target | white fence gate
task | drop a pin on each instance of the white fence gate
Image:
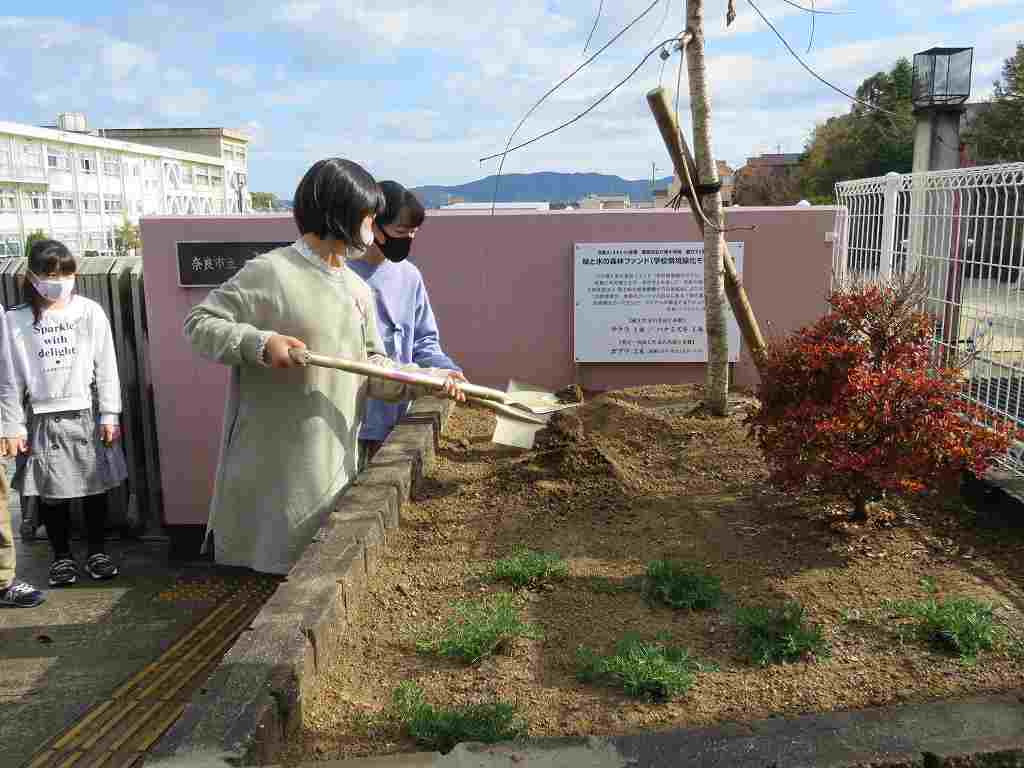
(965, 230)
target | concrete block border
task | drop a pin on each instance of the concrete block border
(253, 700)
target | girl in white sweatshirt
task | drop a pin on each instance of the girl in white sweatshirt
(62, 348)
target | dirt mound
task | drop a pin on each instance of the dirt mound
(606, 436)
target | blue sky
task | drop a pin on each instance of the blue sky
(418, 90)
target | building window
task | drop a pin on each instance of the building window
(87, 163)
(91, 203)
(217, 177)
(32, 156)
(186, 174)
(8, 200)
(151, 185)
(10, 246)
(152, 169)
(57, 160)
(202, 176)
(37, 201)
(112, 204)
(63, 202)
(111, 165)
(5, 157)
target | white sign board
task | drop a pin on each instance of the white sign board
(644, 303)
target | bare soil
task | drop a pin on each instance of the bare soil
(633, 476)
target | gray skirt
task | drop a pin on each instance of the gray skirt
(67, 458)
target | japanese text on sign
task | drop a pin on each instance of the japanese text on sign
(643, 302)
(209, 264)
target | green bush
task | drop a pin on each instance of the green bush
(480, 628)
(527, 568)
(963, 626)
(441, 729)
(651, 671)
(777, 634)
(681, 585)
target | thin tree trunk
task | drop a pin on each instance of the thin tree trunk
(859, 513)
(716, 382)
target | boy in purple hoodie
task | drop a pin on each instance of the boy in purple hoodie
(405, 319)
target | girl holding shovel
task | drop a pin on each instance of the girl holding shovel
(290, 432)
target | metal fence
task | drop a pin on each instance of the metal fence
(116, 284)
(964, 230)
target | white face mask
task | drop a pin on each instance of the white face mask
(366, 233)
(53, 289)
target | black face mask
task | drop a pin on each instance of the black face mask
(394, 248)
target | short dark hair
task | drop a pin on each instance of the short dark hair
(46, 257)
(333, 198)
(401, 206)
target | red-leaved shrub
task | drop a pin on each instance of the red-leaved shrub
(857, 405)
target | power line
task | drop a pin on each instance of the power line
(814, 74)
(664, 19)
(587, 111)
(810, 42)
(593, 29)
(814, 11)
(560, 83)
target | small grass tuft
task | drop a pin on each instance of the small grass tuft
(682, 585)
(441, 729)
(777, 634)
(480, 628)
(961, 625)
(1015, 649)
(527, 568)
(653, 671)
(929, 585)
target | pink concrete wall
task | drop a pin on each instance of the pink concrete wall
(501, 288)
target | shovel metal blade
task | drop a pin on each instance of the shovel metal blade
(516, 432)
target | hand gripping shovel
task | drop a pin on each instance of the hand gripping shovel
(522, 411)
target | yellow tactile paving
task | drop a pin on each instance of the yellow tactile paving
(119, 731)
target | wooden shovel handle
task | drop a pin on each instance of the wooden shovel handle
(305, 357)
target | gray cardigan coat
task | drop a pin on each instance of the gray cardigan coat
(289, 445)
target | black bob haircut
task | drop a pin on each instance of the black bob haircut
(46, 257)
(401, 206)
(333, 198)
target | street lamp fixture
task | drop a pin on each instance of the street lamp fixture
(942, 77)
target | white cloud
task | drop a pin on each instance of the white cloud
(176, 76)
(257, 133)
(967, 6)
(236, 74)
(182, 103)
(122, 60)
(456, 27)
(413, 125)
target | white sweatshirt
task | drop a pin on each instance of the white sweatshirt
(57, 362)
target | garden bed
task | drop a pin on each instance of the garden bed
(640, 476)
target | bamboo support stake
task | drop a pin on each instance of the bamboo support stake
(682, 160)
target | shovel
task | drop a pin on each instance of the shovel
(522, 411)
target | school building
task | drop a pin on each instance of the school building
(80, 185)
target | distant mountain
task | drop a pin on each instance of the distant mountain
(539, 187)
